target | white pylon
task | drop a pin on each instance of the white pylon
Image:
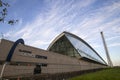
(106, 50)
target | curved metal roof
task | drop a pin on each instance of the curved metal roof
(64, 33)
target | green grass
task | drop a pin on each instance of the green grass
(107, 74)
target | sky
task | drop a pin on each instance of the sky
(40, 21)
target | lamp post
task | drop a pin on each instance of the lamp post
(3, 68)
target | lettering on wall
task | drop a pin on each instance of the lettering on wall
(29, 54)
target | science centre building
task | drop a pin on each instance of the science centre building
(66, 53)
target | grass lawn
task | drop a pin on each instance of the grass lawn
(107, 74)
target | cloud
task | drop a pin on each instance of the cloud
(114, 45)
(116, 29)
(112, 38)
(72, 16)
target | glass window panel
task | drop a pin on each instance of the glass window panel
(83, 49)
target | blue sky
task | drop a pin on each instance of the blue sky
(40, 21)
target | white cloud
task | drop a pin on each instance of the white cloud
(112, 38)
(116, 29)
(114, 45)
(60, 16)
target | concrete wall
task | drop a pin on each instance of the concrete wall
(4, 49)
(56, 63)
(12, 70)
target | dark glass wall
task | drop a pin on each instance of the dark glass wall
(63, 46)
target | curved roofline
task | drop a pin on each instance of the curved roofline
(59, 36)
(73, 35)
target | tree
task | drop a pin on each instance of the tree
(3, 13)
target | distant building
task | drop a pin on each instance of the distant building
(67, 53)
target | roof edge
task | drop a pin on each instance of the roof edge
(59, 36)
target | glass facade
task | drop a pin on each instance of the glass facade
(83, 49)
(63, 46)
(71, 45)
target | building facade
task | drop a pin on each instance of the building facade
(67, 53)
